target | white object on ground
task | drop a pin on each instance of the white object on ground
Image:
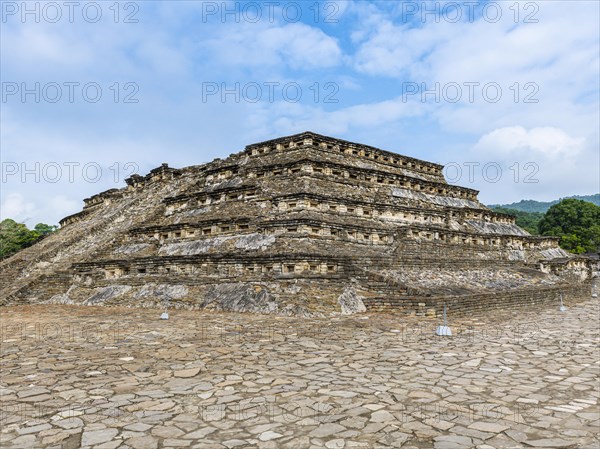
(444, 331)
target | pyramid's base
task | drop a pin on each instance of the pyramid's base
(303, 297)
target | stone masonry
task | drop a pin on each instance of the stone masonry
(304, 224)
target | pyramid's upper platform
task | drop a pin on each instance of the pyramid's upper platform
(327, 142)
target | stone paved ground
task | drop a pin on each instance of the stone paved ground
(120, 378)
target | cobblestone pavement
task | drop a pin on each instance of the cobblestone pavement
(121, 378)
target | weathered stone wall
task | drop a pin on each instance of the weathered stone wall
(470, 303)
(303, 219)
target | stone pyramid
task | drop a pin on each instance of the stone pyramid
(301, 224)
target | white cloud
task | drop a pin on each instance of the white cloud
(544, 54)
(39, 44)
(395, 50)
(293, 118)
(294, 45)
(45, 209)
(479, 50)
(63, 206)
(15, 206)
(545, 142)
(513, 163)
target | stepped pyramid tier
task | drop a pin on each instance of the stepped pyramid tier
(301, 224)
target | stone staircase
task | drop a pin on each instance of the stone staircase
(16, 288)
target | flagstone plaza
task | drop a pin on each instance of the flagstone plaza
(99, 377)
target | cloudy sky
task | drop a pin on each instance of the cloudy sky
(506, 94)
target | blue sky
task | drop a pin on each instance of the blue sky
(512, 105)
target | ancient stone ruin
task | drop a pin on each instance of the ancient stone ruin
(297, 225)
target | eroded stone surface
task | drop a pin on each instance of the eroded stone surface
(351, 303)
(100, 377)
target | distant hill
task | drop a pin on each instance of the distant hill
(541, 206)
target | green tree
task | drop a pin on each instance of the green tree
(44, 229)
(16, 236)
(576, 222)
